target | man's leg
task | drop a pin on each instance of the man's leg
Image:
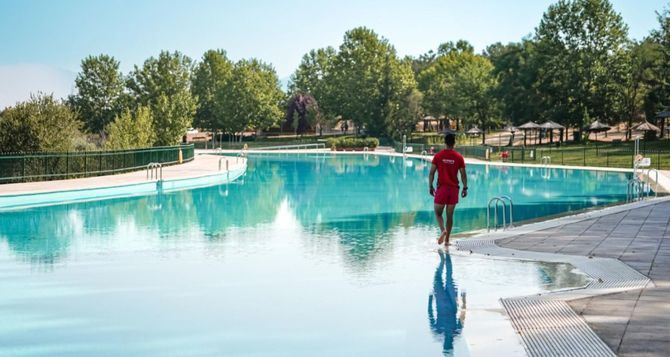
(450, 222)
(439, 209)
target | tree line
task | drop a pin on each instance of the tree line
(578, 65)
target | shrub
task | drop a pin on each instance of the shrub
(353, 143)
(131, 130)
(40, 124)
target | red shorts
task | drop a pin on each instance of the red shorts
(446, 195)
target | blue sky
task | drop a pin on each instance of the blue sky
(55, 35)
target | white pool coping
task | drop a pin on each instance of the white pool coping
(51, 193)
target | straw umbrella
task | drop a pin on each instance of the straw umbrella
(647, 127)
(528, 126)
(551, 126)
(427, 119)
(597, 127)
(474, 131)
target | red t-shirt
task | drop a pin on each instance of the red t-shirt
(448, 163)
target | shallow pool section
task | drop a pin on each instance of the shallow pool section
(304, 255)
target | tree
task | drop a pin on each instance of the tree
(211, 80)
(39, 124)
(99, 89)
(405, 115)
(639, 77)
(163, 84)
(131, 130)
(580, 47)
(658, 97)
(473, 87)
(515, 68)
(455, 70)
(302, 113)
(253, 98)
(310, 79)
(368, 80)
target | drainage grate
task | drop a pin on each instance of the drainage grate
(552, 328)
(548, 326)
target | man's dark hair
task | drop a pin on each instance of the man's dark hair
(450, 139)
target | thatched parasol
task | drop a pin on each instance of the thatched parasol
(474, 131)
(528, 126)
(598, 127)
(646, 126)
(551, 126)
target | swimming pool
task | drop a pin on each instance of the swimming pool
(306, 254)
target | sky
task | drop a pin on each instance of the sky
(42, 42)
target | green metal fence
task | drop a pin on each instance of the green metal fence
(23, 167)
(606, 156)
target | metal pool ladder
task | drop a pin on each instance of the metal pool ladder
(155, 171)
(503, 201)
(546, 160)
(636, 190)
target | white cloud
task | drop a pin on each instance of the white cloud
(18, 81)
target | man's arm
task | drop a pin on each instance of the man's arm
(431, 178)
(464, 180)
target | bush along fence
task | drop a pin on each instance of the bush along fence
(24, 167)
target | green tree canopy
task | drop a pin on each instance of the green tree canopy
(515, 67)
(369, 81)
(99, 89)
(163, 84)
(658, 97)
(39, 124)
(580, 49)
(211, 80)
(253, 98)
(309, 78)
(131, 130)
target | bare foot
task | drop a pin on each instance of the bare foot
(441, 239)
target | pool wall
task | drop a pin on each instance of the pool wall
(18, 201)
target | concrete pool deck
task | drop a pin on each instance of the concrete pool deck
(201, 165)
(633, 321)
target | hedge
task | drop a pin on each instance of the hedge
(353, 143)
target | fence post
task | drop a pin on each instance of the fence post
(67, 164)
(658, 160)
(607, 158)
(584, 156)
(23, 168)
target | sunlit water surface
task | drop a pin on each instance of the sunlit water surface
(305, 255)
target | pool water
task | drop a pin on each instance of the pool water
(306, 254)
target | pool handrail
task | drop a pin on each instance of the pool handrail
(649, 171)
(155, 169)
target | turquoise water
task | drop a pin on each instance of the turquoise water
(305, 255)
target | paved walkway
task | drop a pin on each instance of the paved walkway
(633, 323)
(201, 165)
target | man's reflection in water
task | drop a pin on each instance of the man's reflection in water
(443, 315)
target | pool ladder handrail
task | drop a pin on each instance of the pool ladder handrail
(634, 190)
(545, 160)
(649, 171)
(155, 169)
(502, 200)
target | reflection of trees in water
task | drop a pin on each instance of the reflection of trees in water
(358, 199)
(41, 237)
(445, 316)
(560, 276)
